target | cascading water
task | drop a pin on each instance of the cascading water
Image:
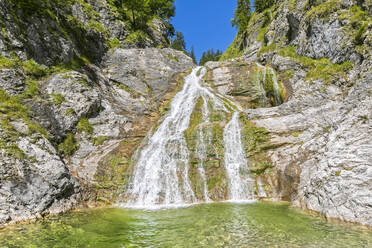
(278, 99)
(161, 175)
(235, 162)
(268, 76)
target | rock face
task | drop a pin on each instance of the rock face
(34, 188)
(321, 147)
(102, 113)
(52, 32)
(76, 99)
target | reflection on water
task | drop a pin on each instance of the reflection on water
(207, 225)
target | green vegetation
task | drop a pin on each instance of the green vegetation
(357, 24)
(137, 37)
(256, 142)
(360, 34)
(97, 141)
(37, 72)
(288, 74)
(73, 65)
(324, 10)
(114, 43)
(139, 12)
(31, 68)
(58, 99)
(8, 143)
(260, 168)
(70, 111)
(261, 224)
(31, 7)
(85, 126)
(12, 108)
(171, 57)
(195, 120)
(360, 22)
(242, 14)
(213, 165)
(83, 82)
(318, 68)
(232, 51)
(261, 5)
(132, 92)
(210, 55)
(69, 146)
(178, 42)
(192, 55)
(114, 172)
(98, 27)
(255, 139)
(296, 134)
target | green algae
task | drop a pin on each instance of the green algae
(207, 225)
(215, 171)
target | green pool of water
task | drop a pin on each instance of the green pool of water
(207, 225)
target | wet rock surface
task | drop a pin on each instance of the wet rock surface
(320, 140)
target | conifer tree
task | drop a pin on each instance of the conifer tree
(139, 12)
(210, 55)
(242, 15)
(178, 42)
(192, 55)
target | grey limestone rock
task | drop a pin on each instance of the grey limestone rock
(29, 188)
(12, 81)
(73, 96)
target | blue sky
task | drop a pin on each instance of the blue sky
(205, 23)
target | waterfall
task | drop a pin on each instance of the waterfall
(276, 88)
(268, 76)
(235, 162)
(161, 175)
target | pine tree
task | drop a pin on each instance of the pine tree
(139, 12)
(192, 55)
(210, 55)
(178, 42)
(242, 15)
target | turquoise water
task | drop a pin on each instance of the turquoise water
(206, 225)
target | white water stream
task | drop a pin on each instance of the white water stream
(161, 175)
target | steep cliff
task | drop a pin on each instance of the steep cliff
(77, 95)
(321, 146)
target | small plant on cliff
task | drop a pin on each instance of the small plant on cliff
(85, 126)
(58, 99)
(69, 146)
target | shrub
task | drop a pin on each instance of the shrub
(58, 99)
(31, 68)
(85, 126)
(261, 5)
(69, 146)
